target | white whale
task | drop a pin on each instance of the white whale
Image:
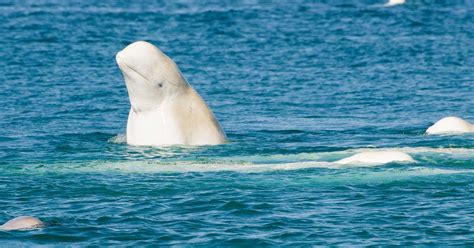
(451, 125)
(394, 2)
(376, 157)
(22, 223)
(165, 109)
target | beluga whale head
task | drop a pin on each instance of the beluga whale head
(151, 77)
(165, 109)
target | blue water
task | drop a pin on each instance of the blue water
(295, 85)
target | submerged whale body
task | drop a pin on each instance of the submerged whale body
(165, 109)
(394, 2)
(22, 223)
(451, 125)
(376, 157)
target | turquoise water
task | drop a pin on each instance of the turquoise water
(295, 85)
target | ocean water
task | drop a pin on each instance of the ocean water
(296, 85)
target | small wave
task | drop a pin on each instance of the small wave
(118, 139)
(383, 176)
(177, 167)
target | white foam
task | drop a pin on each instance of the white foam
(119, 139)
(244, 164)
(185, 167)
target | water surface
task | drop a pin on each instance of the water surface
(295, 85)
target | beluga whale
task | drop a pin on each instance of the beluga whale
(451, 125)
(165, 108)
(22, 223)
(394, 2)
(377, 158)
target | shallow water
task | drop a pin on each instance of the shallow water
(296, 86)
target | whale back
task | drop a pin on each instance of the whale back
(377, 157)
(22, 223)
(394, 2)
(449, 125)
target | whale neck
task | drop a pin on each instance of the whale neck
(158, 103)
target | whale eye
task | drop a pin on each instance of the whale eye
(160, 85)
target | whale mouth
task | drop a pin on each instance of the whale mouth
(121, 62)
(134, 70)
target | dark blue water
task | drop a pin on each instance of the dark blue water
(295, 85)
